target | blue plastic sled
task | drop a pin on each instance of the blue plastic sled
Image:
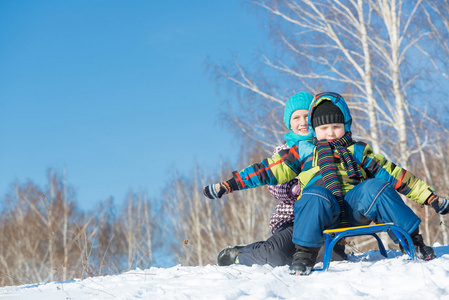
(334, 235)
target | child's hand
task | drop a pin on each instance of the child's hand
(296, 189)
(217, 190)
(440, 205)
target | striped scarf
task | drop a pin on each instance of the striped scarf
(328, 169)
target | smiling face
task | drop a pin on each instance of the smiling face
(330, 132)
(298, 122)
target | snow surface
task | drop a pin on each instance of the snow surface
(365, 276)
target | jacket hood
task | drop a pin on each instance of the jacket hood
(336, 99)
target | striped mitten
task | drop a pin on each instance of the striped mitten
(217, 190)
(440, 205)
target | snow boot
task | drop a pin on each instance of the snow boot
(422, 251)
(338, 253)
(228, 255)
(303, 260)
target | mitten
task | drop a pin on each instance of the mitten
(296, 189)
(440, 205)
(217, 190)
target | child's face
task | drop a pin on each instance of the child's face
(298, 122)
(330, 132)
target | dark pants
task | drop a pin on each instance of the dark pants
(277, 250)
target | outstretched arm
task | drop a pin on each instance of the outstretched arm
(403, 181)
(285, 166)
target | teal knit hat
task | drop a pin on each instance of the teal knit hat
(300, 100)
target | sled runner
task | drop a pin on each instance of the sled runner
(334, 235)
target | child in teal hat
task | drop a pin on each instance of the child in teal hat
(295, 118)
(278, 249)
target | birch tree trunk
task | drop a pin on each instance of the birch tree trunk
(367, 79)
(65, 228)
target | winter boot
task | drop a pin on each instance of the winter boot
(303, 260)
(228, 255)
(422, 251)
(339, 251)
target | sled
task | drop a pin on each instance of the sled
(334, 235)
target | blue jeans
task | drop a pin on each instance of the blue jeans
(373, 200)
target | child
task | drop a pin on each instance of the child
(343, 184)
(278, 249)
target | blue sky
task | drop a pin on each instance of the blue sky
(115, 92)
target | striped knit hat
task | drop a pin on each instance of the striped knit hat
(300, 100)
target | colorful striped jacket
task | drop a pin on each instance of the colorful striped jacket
(287, 164)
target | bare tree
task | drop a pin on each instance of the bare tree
(36, 228)
(203, 226)
(136, 229)
(45, 237)
(437, 19)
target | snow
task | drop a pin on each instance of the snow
(364, 276)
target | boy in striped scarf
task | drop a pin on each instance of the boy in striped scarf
(343, 183)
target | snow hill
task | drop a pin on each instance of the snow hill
(364, 276)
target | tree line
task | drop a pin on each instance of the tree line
(45, 236)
